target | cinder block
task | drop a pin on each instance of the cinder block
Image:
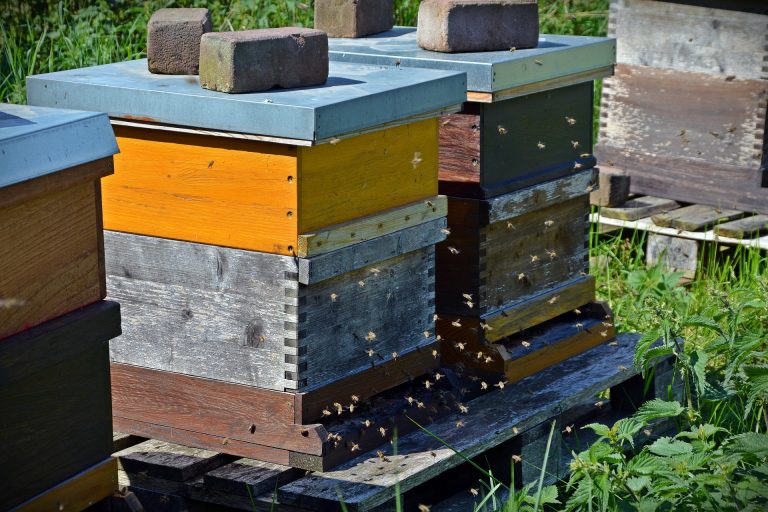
(478, 25)
(173, 40)
(257, 60)
(614, 188)
(353, 18)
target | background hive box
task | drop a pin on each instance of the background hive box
(528, 118)
(54, 391)
(685, 113)
(51, 257)
(514, 248)
(271, 321)
(265, 171)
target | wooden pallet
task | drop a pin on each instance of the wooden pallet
(495, 425)
(676, 232)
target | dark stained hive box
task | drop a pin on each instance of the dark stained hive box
(55, 411)
(528, 114)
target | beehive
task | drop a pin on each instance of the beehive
(56, 428)
(528, 114)
(272, 250)
(517, 167)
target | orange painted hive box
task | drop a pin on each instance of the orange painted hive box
(270, 171)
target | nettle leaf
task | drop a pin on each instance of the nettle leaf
(599, 429)
(668, 447)
(638, 483)
(703, 431)
(549, 495)
(645, 464)
(642, 346)
(627, 428)
(647, 505)
(658, 408)
(699, 360)
(749, 443)
(703, 321)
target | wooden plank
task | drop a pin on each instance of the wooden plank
(683, 114)
(364, 175)
(248, 477)
(335, 237)
(541, 196)
(639, 207)
(52, 183)
(77, 493)
(747, 227)
(239, 413)
(121, 441)
(690, 38)
(613, 188)
(362, 254)
(647, 224)
(169, 461)
(51, 262)
(542, 307)
(459, 153)
(493, 418)
(675, 254)
(212, 190)
(695, 217)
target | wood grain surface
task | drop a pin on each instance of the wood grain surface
(51, 260)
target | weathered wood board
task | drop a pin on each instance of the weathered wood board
(639, 207)
(54, 391)
(695, 38)
(695, 217)
(505, 250)
(746, 227)
(536, 348)
(491, 149)
(51, 255)
(259, 195)
(243, 317)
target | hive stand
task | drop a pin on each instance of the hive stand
(274, 251)
(54, 326)
(495, 426)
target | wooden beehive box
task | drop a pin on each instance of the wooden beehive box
(685, 113)
(51, 255)
(528, 114)
(271, 171)
(55, 425)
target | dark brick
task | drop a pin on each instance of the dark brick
(478, 25)
(173, 40)
(353, 18)
(257, 60)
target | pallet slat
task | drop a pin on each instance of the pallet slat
(695, 217)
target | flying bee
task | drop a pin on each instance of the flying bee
(438, 376)
(453, 250)
(575, 144)
(446, 122)
(608, 324)
(514, 48)
(420, 405)
(434, 354)
(571, 121)
(552, 254)
(521, 276)
(394, 356)
(370, 352)
(469, 304)
(424, 508)
(526, 344)
(590, 187)
(367, 423)
(370, 336)
(334, 297)
(435, 318)
(459, 424)
(622, 367)
(604, 334)
(326, 412)
(510, 225)
(553, 299)
(488, 359)
(381, 456)
(361, 283)
(502, 130)
(577, 311)
(578, 325)
(446, 231)
(355, 447)
(456, 323)
(427, 384)
(351, 408)
(416, 159)
(427, 334)
(534, 258)
(517, 458)
(484, 326)
(549, 223)
(613, 343)
(354, 398)
(339, 408)
(599, 404)
(383, 431)
(568, 429)
(500, 385)
(541, 145)
(474, 492)
(410, 400)
(460, 345)
(334, 140)
(515, 430)
(467, 296)
(538, 62)
(577, 165)
(483, 385)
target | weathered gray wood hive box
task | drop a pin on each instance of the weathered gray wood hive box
(55, 424)
(282, 269)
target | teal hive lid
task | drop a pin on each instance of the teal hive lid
(35, 141)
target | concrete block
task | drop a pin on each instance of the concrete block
(353, 18)
(257, 60)
(614, 188)
(455, 26)
(173, 40)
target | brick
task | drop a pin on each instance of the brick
(353, 18)
(478, 25)
(257, 60)
(614, 188)
(173, 40)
